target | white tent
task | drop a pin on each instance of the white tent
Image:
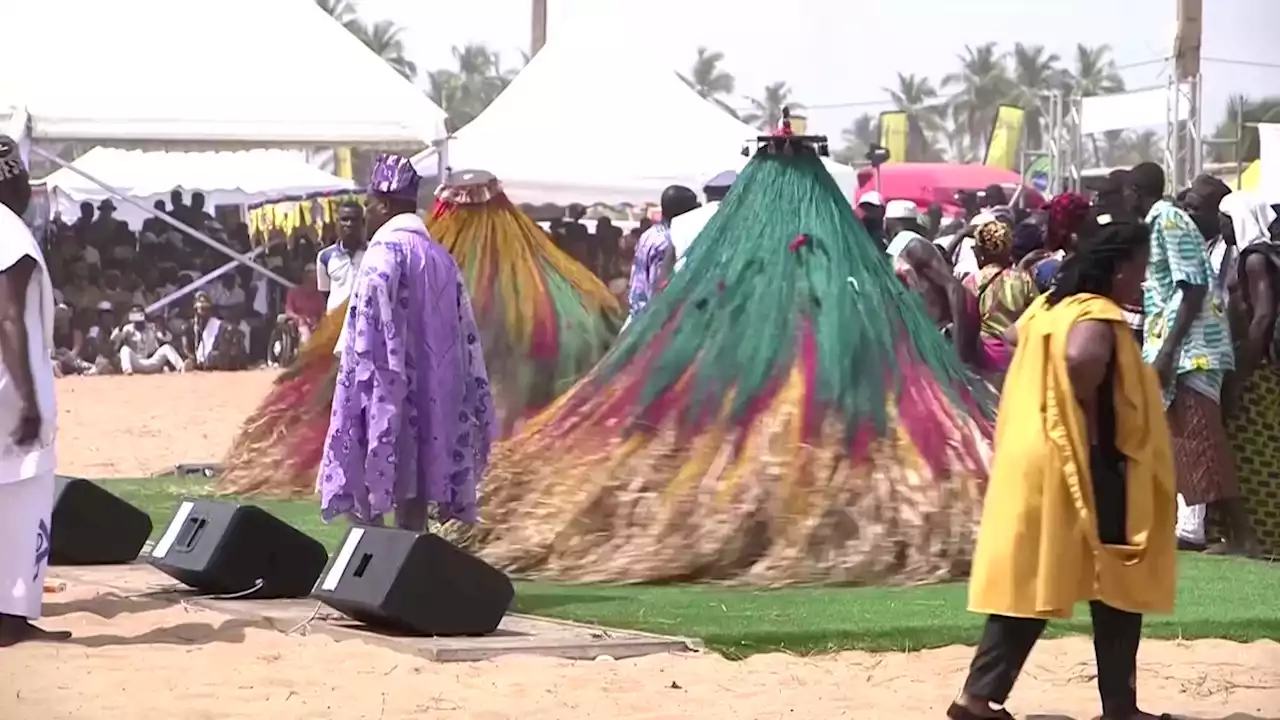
(254, 72)
(584, 123)
(225, 178)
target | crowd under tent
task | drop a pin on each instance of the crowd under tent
(243, 72)
(584, 123)
(167, 75)
(243, 178)
(928, 183)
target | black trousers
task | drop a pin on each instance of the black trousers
(1007, 641)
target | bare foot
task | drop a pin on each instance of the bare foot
(15, 629)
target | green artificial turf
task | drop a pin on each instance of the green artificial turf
(1217, 597)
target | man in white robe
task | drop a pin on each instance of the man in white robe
(685, 228)
(28, 412)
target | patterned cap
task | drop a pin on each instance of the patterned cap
(394, 176)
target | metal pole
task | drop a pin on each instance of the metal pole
(539, 27)
(242, 259)
(199, 282)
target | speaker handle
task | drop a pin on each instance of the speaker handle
(191, 531)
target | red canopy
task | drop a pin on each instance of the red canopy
(927, 183)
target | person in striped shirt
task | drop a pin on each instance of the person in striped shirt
(1188, 341)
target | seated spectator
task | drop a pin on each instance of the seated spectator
(210, 343)
(68, 344)
(143, 347)
(304, 304)
(83, 291)
(154, 226)
(98, 327)
(225, 292)
(113, 291)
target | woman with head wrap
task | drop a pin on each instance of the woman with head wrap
(1251, 395)
(1064, 217)
(1002, 292)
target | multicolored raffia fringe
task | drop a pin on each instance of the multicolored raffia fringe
(783, 412)
(277, 452)
(545, 319)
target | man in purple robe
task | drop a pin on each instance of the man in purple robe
(411, 423)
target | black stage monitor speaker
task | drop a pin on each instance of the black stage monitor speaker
(90, 526)
(414, 584)
(225, 548)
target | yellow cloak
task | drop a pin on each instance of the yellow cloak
(1038, 551)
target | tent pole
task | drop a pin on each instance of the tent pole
(187, 229)
(199, 282)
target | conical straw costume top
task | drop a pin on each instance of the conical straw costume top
(783, 412)
(278, 449)
(545, 320)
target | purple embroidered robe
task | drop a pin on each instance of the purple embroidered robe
(411, 419)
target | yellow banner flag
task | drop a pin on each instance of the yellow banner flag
(893, 135)
(342, 163)
(1006, 136)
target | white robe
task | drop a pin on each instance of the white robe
(685, 229)
(26, 474)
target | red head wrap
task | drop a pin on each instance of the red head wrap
(1066, 212)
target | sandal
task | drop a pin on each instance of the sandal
(959, 712)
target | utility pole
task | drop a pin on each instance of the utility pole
(539, 27)
(1186, 75)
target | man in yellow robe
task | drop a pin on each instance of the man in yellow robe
(1080, 505)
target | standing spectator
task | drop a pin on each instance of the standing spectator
(338, 264)
(143, 347)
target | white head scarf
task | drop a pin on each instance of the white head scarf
(1251, 217)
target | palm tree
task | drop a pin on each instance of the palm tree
(766, 111)
(858, 138)
(1241, 108)
(1095, 73)
(980, 85)
(918, 98)
(383, 38)
(707, 78)
(463, 93)
(344, 11)
(1035, 73)
(1131, 148)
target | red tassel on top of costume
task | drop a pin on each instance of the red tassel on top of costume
(440, 209)
(799, 242)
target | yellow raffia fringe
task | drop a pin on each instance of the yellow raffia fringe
(504, 254)
(652, 507)
(258, 462)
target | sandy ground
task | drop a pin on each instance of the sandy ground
(118, 426)
(135, 659)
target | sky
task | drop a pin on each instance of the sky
(839, 55)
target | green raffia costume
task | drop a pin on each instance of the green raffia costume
(783, 412)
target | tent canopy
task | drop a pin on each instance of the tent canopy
(250, 72)
(225, 178)
(566, 131)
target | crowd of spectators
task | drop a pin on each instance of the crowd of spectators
(108, 279)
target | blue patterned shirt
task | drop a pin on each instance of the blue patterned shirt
(650, 249)
(1179, 255)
